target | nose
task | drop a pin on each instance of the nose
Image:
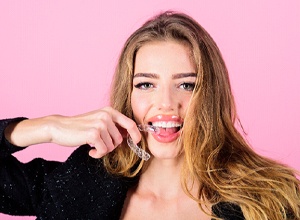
(165, 99)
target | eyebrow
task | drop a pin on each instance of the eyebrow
(183, 75)
(174, 76)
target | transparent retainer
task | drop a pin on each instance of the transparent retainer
(141, 153)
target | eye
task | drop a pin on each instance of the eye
(187, 86)
(144, 85)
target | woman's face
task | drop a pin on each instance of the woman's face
(163, 82)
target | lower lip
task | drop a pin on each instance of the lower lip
(166, 139)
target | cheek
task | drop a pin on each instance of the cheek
(139, 106)
(185, 102)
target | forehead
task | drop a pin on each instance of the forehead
(164, 56)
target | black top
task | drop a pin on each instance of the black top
(79, 188)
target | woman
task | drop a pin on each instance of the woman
(170, 77)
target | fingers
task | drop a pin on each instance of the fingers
(111, 135)
(109, 132)
(126, 123)
(102, 143)
(99, 151)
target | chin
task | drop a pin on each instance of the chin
(165, 150)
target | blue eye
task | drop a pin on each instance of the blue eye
(144, 85)
(187, 86)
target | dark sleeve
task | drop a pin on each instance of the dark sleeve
(228, 211)
(21, 184)
(6, 148)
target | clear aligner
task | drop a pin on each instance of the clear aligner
(149, 128)
(141, 153)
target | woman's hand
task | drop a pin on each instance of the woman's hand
(103, 129)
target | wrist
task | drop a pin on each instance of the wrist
(9, 131)
(51, 127)
(30, 131)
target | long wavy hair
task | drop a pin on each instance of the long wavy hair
(215, 154)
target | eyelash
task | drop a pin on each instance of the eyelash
(190, 85)
(142, 85)
(147, 85)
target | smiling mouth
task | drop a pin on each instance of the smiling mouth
(167, 127)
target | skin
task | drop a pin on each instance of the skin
(164, 78)
(97, 128)
(166, 90)
(163, 72)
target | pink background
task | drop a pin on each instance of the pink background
(59, 57)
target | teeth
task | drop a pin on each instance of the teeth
(166, 124)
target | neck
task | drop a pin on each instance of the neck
(162, 178)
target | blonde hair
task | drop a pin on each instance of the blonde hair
(216, 154)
